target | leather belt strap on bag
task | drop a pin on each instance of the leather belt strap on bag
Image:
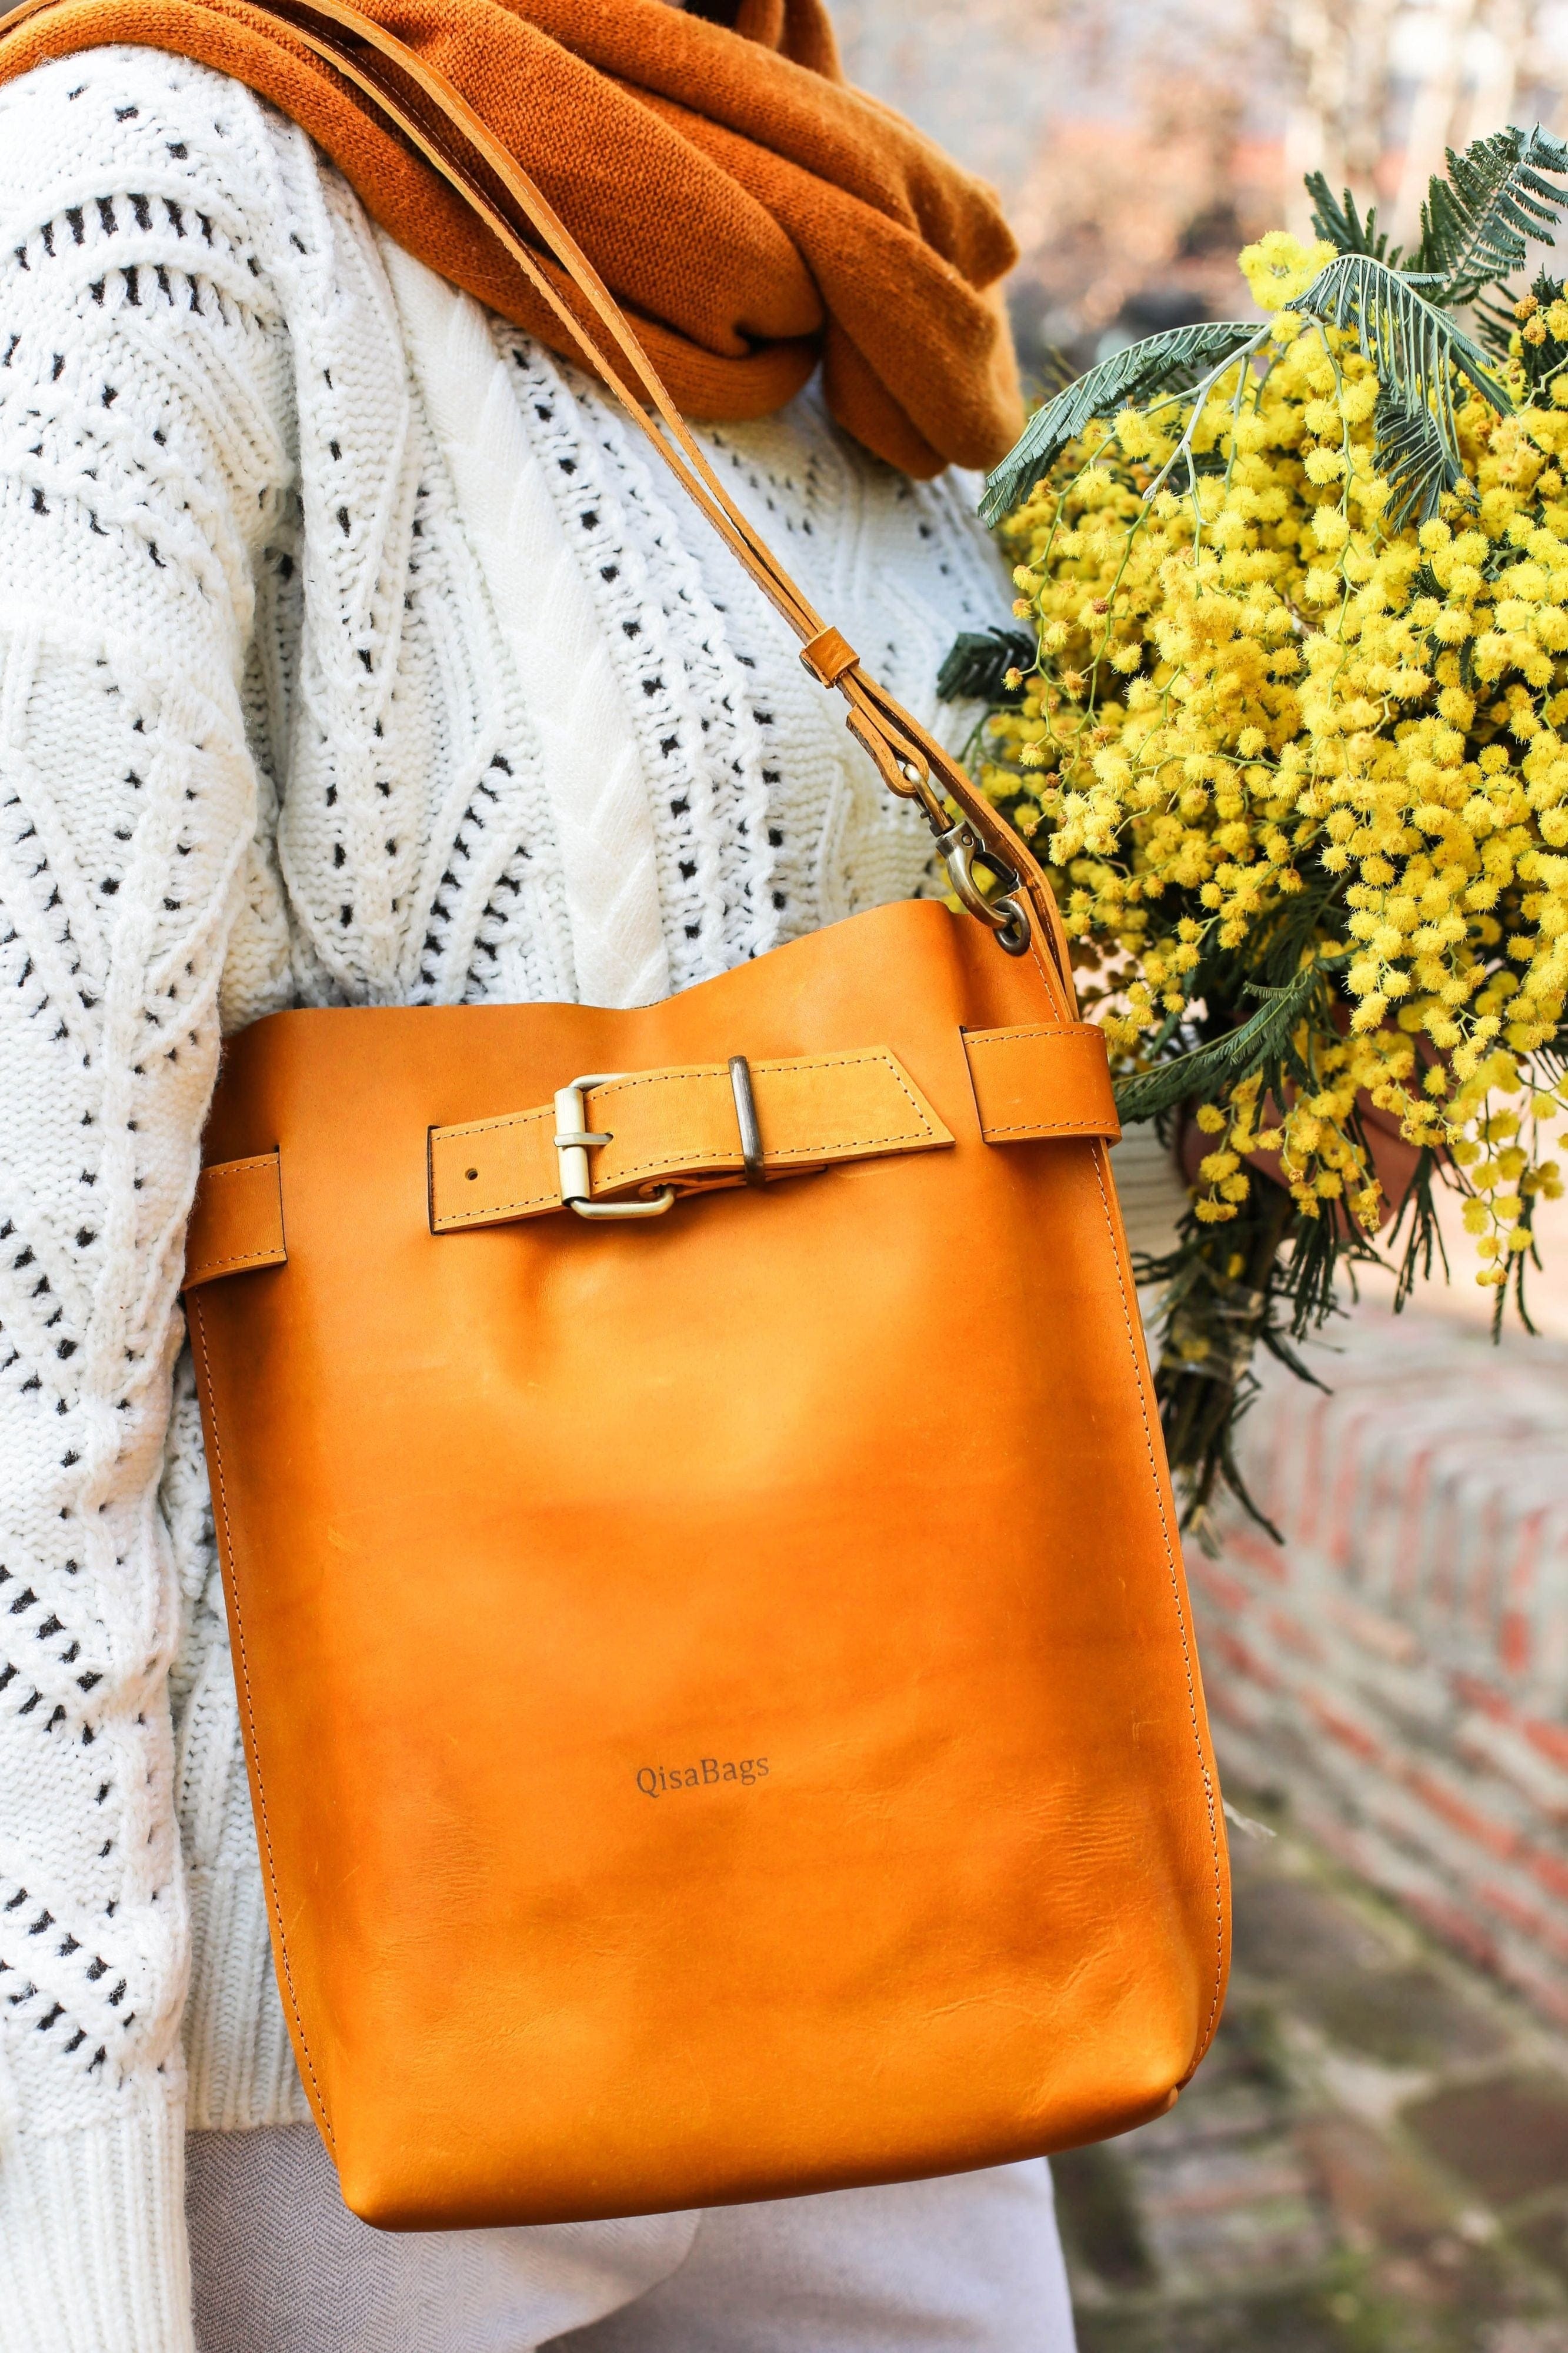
(656, 1135)
(660, 1130)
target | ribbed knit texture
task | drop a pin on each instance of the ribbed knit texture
(349, 653)
(92, 2233)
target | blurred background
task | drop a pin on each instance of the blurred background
(1375, 2157)
(1138, 142)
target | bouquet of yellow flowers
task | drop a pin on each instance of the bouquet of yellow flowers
(1291, 722)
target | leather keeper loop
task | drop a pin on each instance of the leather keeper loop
(236, 1219)
(1040, 1081)
(827, 656)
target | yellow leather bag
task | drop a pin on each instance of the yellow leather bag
(715, 1669)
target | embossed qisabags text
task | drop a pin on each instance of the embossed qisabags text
(666, 1781)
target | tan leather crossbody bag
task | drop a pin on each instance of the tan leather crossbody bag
(715, 1669)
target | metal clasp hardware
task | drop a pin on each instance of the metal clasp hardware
(572, 1142)
(905, 770)
(959, 845)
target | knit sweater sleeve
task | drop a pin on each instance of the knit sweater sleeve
(144, 436)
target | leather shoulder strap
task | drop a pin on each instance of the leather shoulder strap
(422, 107)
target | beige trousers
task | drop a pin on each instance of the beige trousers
(967, 2265)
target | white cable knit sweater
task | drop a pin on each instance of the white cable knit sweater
(352, 651)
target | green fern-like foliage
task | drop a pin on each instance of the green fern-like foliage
(1414, 458)
(1256, 1044)
(979, 662)
(1339, 224)
(1413, 345)
(1497, 199)
(1160, 367)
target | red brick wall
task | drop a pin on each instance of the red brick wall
(1399, 1668)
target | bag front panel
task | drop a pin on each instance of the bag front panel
(719, 1705)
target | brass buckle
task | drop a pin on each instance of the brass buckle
(572, 1140)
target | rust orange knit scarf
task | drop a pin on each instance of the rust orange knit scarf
(751, 210)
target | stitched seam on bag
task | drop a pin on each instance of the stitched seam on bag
(222, 1501)
(273, 1255)
(1023, 1034)
(1090, 1125)
(835, 1150)
(498, 1208)
(1207, 1779)
(501, 1119)
(239, 1167)
(1058, 985)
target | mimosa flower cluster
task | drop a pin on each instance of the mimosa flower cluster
(1265, 710)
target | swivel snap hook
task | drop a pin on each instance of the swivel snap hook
(1007, 916)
